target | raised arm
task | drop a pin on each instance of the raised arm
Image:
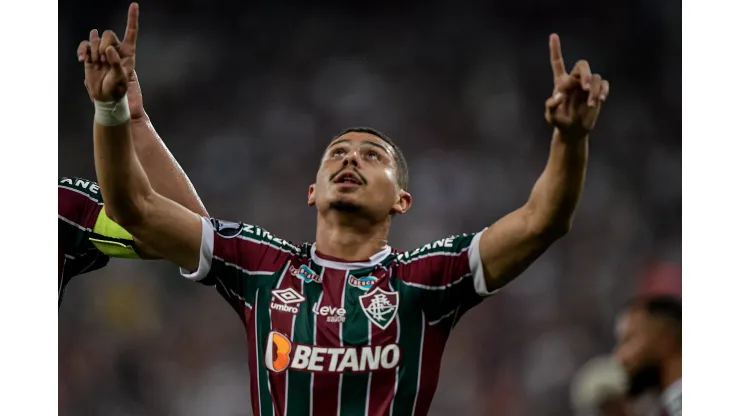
(164, 173)
(167, 227)
(512, 243)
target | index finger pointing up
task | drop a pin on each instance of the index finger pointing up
(556, 57)
(132, 25)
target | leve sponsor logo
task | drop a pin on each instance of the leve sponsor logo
(284, 299)
(332, 313)
(282, 354)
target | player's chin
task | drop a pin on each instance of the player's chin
(347, 203)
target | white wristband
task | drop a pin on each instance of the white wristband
(112, 113)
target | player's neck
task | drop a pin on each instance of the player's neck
(670, 372)
(350, 240)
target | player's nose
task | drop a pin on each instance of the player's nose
(351, 158)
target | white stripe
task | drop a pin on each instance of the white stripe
(476, 268)
(205, 258)
(341, 344)
(442, 287)
(398, 340)
(441, 318)
(421, 355)
(70, 222)
(374, 260)
(243, 270)
(257, 352)
(81, 193)
(61, 281)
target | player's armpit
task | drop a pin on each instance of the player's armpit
(170, 231)
(510, 246)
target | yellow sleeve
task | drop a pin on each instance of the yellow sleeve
(111, 239)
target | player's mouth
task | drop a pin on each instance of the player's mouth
(348, 178)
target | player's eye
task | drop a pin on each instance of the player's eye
(338, 153)
(373, 155)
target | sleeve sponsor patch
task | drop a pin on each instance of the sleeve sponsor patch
(227, 229)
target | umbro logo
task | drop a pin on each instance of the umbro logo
(284, 299)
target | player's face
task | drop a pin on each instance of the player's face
(637, 349)
(358, 174)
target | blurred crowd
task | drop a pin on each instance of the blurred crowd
(247, 96)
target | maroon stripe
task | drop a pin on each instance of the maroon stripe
(435, 270)
(282, 322)
(248, 254)
(431, 360)
(328, 334)
(77, 207)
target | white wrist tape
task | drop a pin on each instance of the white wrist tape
(112, 113)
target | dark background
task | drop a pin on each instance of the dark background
(246, 96)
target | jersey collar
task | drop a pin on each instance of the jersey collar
(373, 261)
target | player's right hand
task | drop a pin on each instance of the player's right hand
(105, 77)
(126, 51)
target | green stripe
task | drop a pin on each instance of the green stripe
(263, 329)
(72, 239)
(299, 382)
(438, 303)
(410, 319)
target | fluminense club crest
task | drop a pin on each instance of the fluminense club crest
(380, 307)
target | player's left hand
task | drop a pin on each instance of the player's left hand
(577, 97)
(127, 52)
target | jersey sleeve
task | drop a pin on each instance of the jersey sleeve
(236, 258)
(79, 203)
(448, 274)
(88, 225)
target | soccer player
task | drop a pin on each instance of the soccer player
(347, 325)
(646, 359)
(87, 236)
(649, 349)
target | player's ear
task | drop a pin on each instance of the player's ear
(403, 203)
(312, 195)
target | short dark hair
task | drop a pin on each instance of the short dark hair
(402, 169)
(662, 306)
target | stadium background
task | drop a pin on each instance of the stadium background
(246, 97)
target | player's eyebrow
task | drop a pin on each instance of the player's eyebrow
(368, 142)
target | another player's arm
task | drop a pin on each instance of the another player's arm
(113, 240)
(164, 173)
(512, 243)
(165, 226)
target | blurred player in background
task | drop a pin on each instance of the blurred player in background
(648, 356)
(649, 348)
(87, 236)
(347, 325)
